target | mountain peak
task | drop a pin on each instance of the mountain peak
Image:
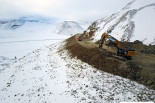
(69, 28)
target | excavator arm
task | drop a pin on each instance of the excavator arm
(105, 36)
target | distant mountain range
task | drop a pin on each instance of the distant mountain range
(18, 22)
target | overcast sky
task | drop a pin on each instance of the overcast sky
(67, 9)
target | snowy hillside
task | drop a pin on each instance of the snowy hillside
(50, 75)
(69, 28)
(136, 21)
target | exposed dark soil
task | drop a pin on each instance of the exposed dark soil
(109, 62)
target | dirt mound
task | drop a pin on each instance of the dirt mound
(139, 46)
(106, 61)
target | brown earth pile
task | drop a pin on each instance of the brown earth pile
(139, 46)
(107, 62)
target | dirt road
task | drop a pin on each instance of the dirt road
(106, 60)
(89, 44)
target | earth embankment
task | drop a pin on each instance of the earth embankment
(107, 61)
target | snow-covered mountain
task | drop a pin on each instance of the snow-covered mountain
(136, 21)
(19, 22)
(50, 75)
(69, 28)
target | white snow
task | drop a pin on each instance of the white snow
(50, 75)
(28, 37)
(145, 25)
(34, 33)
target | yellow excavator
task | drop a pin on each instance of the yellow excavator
(127, 53)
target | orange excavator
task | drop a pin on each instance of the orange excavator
(127, 53)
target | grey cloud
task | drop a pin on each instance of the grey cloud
(68, 9)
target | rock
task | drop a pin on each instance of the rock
(137, 42)
(149, 82)
(152, 86)
(101, 96)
